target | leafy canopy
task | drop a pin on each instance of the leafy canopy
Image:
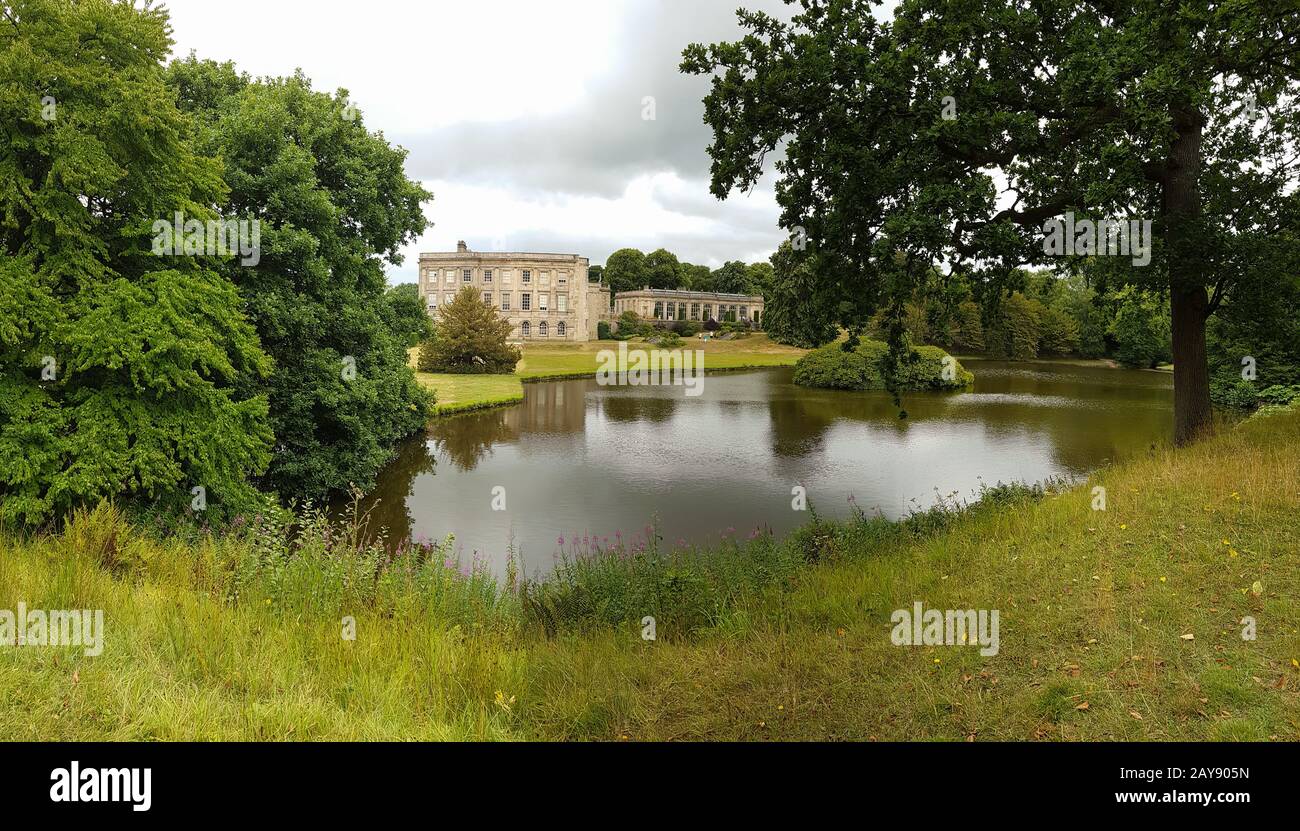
(121, 372)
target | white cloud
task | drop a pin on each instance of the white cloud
(522, 117)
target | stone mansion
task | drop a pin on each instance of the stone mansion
(548, 296)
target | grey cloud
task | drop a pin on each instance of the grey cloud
(598, 147)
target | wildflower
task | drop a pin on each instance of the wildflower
(1123, 526)
(559, 540)
(1162, 579)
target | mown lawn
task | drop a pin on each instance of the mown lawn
(756, 350)
(1115, 624)
(457, 393)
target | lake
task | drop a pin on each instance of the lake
(576, 458)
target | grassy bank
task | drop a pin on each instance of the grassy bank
(1115, 624)
(459, 393)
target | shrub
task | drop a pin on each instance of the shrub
(711, 325)
(862, 368)
(630, 325)
(1278, 394)
(603, 331)
(1230, 391)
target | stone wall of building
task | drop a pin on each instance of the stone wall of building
(667, 304)
(546, 297)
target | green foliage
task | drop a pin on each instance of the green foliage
(1279, 395)
(335, 206)
(625, 270)
(603, 332)
(122, 374)
(631, 325)
(794, 313)
(662, 270)
(470, 338)
(667, 339)
(1140, 329)
(1016, 328)
(1138, 112)
(734, 277)
(686, 328)
(863, 368)
(405, 315)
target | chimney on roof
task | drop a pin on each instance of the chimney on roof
(460, 246)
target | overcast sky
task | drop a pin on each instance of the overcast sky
(523, 117)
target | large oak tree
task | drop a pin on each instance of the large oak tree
(950, 134)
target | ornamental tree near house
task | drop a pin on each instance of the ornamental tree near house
(950, 135)
(470, 337)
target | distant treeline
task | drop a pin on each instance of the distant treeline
(629, 269)
(1051, 315)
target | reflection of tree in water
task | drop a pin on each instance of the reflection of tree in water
(468, 439)
(387, 503)
(628, 407)
(797, 429)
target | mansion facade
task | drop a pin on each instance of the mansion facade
(548, 296)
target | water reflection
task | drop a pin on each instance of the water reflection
(576, 457)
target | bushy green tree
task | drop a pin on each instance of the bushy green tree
(123, 374)
(1140, 329)
(790, 315)
(404, 313)
(969, 334)
(733, 277)
(335, 206)
(697, 277)
(625, 270)
(841, 365)
(470, 337)
(1015, 329)
(662, 270)
(1060, 332)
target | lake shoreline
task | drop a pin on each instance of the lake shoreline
(1132, 611)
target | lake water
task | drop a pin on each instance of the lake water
(577, 458)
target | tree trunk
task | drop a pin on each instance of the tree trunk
(1192, 412)
(1188, 297)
